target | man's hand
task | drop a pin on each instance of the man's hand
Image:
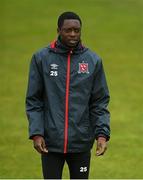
(101, 146)
(39, 144)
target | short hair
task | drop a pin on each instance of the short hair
(67, 15)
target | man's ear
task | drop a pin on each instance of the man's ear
(58, 30)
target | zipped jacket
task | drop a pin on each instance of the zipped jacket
(67, 98)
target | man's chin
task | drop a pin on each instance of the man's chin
(72, 44)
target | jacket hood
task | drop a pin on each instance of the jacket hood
(58, 47)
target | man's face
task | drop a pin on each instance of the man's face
(70, 32)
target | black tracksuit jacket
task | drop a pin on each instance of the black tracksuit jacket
(67, 98)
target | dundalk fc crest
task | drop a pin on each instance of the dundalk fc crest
(83, 67)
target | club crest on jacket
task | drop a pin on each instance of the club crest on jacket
(83, 67)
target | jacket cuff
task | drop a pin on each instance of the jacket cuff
(104, 136)
(36, 136)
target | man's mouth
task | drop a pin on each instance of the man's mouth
(73, 41)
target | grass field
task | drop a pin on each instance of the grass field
(112, 28)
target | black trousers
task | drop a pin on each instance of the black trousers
(78, 163)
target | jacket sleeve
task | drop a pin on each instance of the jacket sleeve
(34, 99)
(99, 114)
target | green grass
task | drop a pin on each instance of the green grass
(114, 29)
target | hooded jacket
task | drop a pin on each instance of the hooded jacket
(67, 98)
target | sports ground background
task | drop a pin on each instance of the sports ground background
(112, 28)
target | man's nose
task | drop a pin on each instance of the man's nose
(72, 33)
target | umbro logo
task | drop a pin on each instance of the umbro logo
(54, 66)
(54, 69)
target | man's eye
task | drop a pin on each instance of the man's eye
(77, 30)
(67, 30)
(70, 30)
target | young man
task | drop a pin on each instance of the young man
(66, 102)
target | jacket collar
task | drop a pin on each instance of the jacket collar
(58, 47)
